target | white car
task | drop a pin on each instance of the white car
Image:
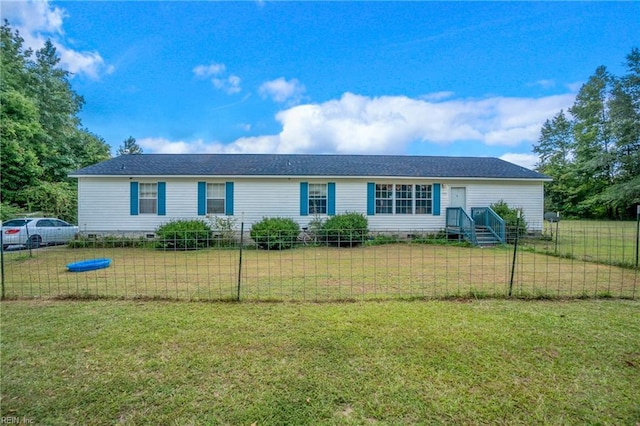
(32, 232)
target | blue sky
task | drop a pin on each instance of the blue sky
(416, 78)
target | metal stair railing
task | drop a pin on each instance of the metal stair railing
(487, 218)
(458, 218)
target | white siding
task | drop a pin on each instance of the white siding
(104, 203)
(529, 196)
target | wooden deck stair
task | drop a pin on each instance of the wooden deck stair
(485, 238)
(483, 227)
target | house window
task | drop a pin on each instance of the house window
(403, 199)
(424, 200)
(215, 198)
(384, 198)
(148, 198)
(317, 198)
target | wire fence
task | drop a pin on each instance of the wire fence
(566, 260)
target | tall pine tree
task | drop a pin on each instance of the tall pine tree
(594, 157)
(41, 138)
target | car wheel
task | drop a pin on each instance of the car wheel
(5, 246)
(34, 242)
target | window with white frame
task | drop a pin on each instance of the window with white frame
(215, 198)
(403, 199)
(384, 198)
(148, 198)
(424, 200)
(317, 198)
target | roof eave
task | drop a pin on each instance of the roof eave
(458, 178)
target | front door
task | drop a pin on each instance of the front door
(458, 197)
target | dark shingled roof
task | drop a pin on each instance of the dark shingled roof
(308, 165)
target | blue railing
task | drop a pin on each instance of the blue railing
(459, 219)
(485, 217)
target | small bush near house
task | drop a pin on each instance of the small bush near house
(346, 230)
(224, 233)
(510, 217)
(275, 233)
(184, 235)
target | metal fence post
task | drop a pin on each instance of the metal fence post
(637, 232)
(515, 250)
(240, 260)
(2, 264)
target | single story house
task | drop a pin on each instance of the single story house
(397, 193)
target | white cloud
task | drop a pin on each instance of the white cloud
(205, 71)
(545, 84)
(38, 21)
(230, 85)
(257, 145)
(389, 124)
(34, 16)
(437, 96)
(165, 146)
(525, 160)
(281, 90)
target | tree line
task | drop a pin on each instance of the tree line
(592, 151)
(41, 137)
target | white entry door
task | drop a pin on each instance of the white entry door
(458, 197)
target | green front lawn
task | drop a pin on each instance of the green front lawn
(608, 242)
(397, 362)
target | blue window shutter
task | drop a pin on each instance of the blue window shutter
(304, 198)
(331, 198)
(162, 198)
(371, 198)
(228, 208)
(202, 198)
(436, 199)
(133, 194)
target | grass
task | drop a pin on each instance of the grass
(397, 362)
(313, 274)
(606, 242)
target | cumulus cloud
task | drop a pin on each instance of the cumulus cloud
(389, 124)
(280, 90)
(228, 84)
(255, 145)
(437, 96)
(525, 160)
(205, 71)
(38, 21)
(545, 84)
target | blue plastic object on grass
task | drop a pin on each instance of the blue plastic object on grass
(89, 265)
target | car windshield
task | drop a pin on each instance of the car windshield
(16, 222)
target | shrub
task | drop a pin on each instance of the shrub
(224, 234)
(510, 217)
(184, 235)
(275, 233)
(346, 230)
(9, 211)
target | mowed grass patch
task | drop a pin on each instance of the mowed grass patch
(313, 274)
(396, 362)
(607, 242)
